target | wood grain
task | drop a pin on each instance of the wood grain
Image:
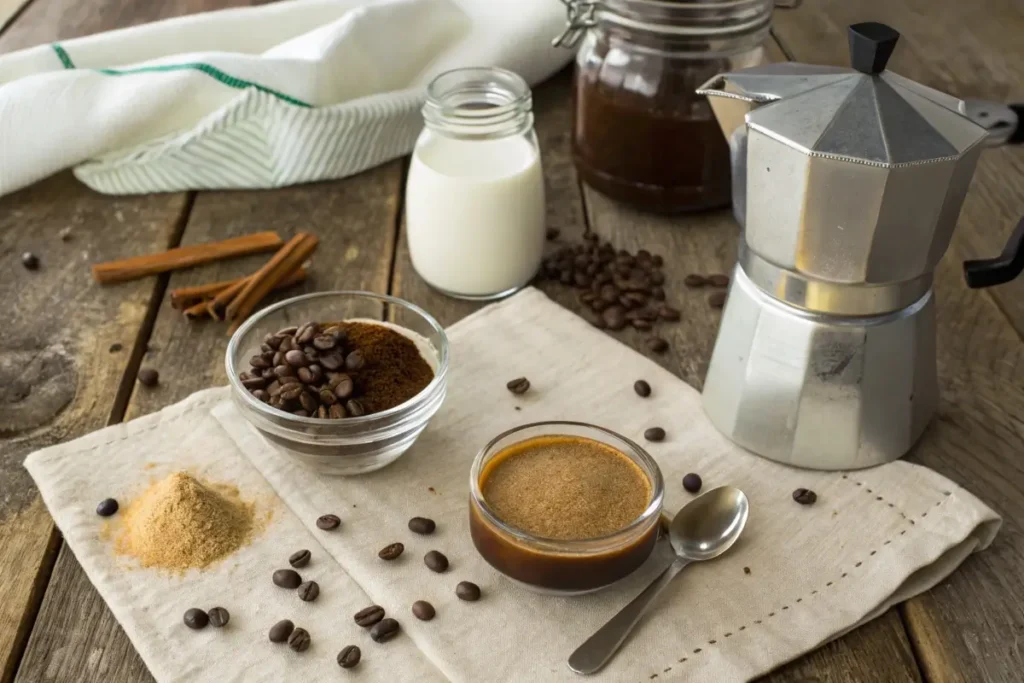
(355, 221)
(968, 628)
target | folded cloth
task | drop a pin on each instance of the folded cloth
(253, 97)
(799, 576)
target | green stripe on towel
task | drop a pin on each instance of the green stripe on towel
(65, 58)
(211, 71)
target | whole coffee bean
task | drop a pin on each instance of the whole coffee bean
(305, 376)
(115, 347)
(422, 525)
(285, 370)
(609, 293)
(299, 640)
(355, 361)
(468, 591)
(280, 631)
(253, 383)
(384, 630)
(308, 591)
(519, 385)
(327, 397)
(694, 280)
(290, 392)
(328, 522)
(423, 610)
(692, 482)
(657, 278)
(296, 358)
(391, 552)
(324, 342)
(287, 578)
(718, 280)
(149, 377)
(268, 375)
(435, 561)
(273, 341)
(657, 293)
(219, 617)
(196, 618)
(657, 261)
(306, 333)
(106, 507)
(717, 299)
(805, 496)
(368, 616)
(343, 386)
(336, 412)
(349, 656)
(259, 362)
(654, 434)
(30, 261)
(642, 388)
(668, 313)
(600, 306)
(260, 395)
(593, 317)
(657, 345)
(300, 558)
(332, 360)
(274, 388)
(309, 403)
(641, 324)
(287, 344)
(321, 413)
(312, 355)
(354, 407)
(614, 317)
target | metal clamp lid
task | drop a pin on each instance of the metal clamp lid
(579, 17)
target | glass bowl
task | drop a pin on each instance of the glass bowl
(352, 445)
(564, 567)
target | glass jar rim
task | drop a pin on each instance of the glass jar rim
(478, 102)
(439, 374)
(723, 17)
(572, 546)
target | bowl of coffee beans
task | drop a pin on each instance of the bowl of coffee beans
(342, 381)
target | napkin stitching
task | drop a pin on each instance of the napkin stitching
(830, 584)
(882, 499)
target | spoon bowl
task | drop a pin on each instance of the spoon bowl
(709, 525)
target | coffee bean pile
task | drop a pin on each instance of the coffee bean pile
(307, 371)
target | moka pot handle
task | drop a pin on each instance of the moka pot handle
(1001, 269)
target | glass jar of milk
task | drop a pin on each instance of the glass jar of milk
(474, 200)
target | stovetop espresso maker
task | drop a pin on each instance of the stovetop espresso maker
(825, 357)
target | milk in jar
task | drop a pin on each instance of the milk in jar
(475, 193)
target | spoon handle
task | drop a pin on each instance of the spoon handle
(595, 652)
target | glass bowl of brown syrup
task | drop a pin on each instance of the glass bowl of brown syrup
(564, 508)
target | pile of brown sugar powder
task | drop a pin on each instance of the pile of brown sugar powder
(182, 523)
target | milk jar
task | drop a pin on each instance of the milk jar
(474, 198)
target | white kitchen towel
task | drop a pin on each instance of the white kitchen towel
(800, 576)
(253, 97)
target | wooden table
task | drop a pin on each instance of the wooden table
(70, 350)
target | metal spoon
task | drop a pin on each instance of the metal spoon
(704, 529)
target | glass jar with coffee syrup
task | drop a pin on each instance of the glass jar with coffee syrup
(641, 135)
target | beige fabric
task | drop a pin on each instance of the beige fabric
(875, 537)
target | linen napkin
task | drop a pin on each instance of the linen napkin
(253, 97)
(799, 576)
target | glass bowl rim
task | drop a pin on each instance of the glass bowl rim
(581, 545)
(256, 404)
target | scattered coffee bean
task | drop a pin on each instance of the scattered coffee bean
(219, 617)
(384, 630)
(106, 507)
(308, 591)
(746, 570)
(280, 631)
(805, 496)
(300, 559)
(654, 434)
(65, 234)
(657, 345)
(468, 591)
(692, 482)
(718, 280)
(115, 347)
(435, 561)
(368, 616)
(717, 299)
(694, 280)
(287, 578)
(669, 313)
(423, 610)
(422, 525)
(349, 656)
(552, 234)
(30, 261)
(196, 618)
(328, 522)
(519, 385)
(391, 552)
(149, 377)
(299, 640)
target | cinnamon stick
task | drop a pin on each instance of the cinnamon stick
(183, 257)
(288, 259)
(219, 304)
(185, 297)
(196, 310)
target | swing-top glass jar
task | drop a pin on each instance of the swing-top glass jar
(641, 135)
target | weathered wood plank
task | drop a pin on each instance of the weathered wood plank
(968, 628)
(355, 221)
